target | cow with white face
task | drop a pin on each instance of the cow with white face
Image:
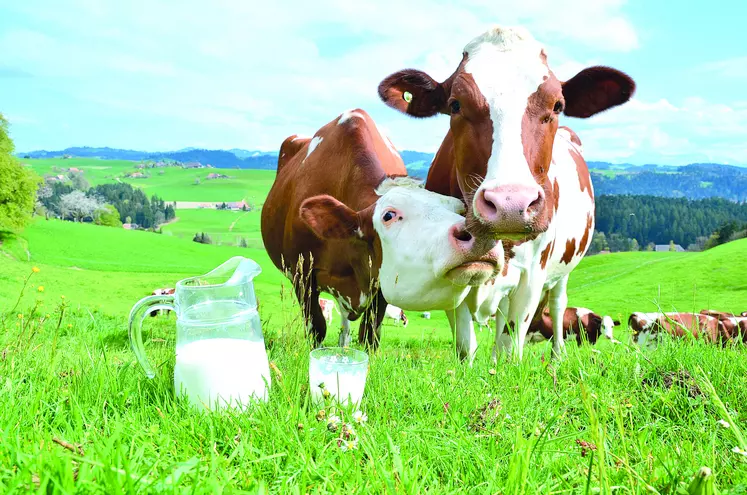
(522, 176)
(342, 218)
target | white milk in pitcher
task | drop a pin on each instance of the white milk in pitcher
(227, 369)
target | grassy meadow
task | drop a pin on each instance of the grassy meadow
(77, 415)
(168, 183)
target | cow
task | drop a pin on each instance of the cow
(577, 322)
(647, 327)
(161, 292)
(522, 176)
(343, 217)
(733, 325)
(396, 314)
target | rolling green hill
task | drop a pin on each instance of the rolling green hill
(91, 264)
(169, 183)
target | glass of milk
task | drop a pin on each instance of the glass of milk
(339, 370)
(221, 359)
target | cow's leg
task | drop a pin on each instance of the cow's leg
(524, 306)
(558, 303)
(463, 330)
(369, 331)
(502, 338)
(308, 298)
(344, 340)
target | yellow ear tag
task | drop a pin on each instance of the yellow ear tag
(407, 96)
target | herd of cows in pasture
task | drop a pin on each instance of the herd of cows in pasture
(505, 215)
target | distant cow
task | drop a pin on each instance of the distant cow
(343, 218)
(646, 327)
(521, 174)
(576, 321)
(397, 314)
(161, 292)
(734, 326)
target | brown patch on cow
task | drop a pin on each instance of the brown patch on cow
(584, 178)
(545, 255)
(587, 234)
(556, 194)
(570, 250)
(538, 127)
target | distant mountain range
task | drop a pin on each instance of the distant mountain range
(694, 181)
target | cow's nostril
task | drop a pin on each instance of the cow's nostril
(463, 236)
(488, 205)
(535, 205)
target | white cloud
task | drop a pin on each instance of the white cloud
(661, 132)
(248, 74)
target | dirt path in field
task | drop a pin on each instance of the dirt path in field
(230, 227)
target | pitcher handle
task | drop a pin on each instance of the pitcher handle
(137, 316)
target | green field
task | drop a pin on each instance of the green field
(224, 227)
(434, 425)
(169, 183)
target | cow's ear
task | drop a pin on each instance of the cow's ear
(328, 218)
(415, 93)
(596, 89)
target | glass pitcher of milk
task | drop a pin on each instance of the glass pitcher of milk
(221, 359)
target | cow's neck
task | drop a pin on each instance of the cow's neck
(442, 175)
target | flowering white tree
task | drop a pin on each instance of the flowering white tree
(79, 206)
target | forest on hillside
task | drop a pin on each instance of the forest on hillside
(657, 220)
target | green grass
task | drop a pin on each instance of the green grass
(169, 183)
(73, 377)
(224, 227)
(433, 425)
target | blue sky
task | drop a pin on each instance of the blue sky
(163, 75)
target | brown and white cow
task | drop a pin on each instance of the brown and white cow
(522, 176)
(161, 292)
(577, 322)
(341, 217)
(397, 314)
(734, 325)
(647, 327)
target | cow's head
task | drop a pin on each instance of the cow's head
(504, 103)
(416, 239)
(608, 324)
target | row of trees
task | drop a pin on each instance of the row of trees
(106, 204)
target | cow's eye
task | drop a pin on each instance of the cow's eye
(558, 107)
(389, 215)
(455, 106)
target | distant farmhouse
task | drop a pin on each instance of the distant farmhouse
(662, 248)
(213, 175)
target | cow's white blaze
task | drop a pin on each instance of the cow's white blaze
(416, 250)
(316, 141)
(349, 114)
(506, 66)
